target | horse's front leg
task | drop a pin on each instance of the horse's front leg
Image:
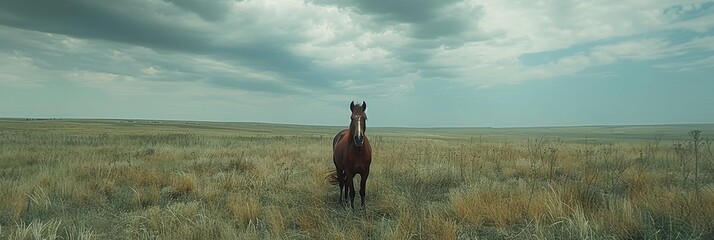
(350, 189)
(363, 187)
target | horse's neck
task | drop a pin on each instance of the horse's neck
(350, 132)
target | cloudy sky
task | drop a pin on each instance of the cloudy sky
(484, 63)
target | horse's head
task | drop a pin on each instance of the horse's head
(359, 122)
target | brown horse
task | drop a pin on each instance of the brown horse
(352, 155)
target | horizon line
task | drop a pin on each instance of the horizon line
(317, 125)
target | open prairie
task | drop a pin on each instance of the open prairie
(140, 179)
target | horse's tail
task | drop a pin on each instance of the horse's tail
(332, 177)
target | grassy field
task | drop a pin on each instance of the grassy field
(117, 179)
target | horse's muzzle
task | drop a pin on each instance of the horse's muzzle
(359, 140)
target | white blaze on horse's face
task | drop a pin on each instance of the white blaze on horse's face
(358, 131)
(358, 122)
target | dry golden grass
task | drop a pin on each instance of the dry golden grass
(276, 221)
(244, 209)
(106, 180)
(492, 204)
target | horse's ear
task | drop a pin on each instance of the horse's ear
(352, 106)
(364, 106)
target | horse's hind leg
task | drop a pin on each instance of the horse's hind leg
(341, 182)
(363, 186)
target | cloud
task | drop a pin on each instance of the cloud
(543, 39)
(133, 22)
(58, 55)
(115, 83)
(164, 27)
(326, 48)
(451, 22)
(663, 53)
(209, 10)
(692, 65)
(24, 72)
